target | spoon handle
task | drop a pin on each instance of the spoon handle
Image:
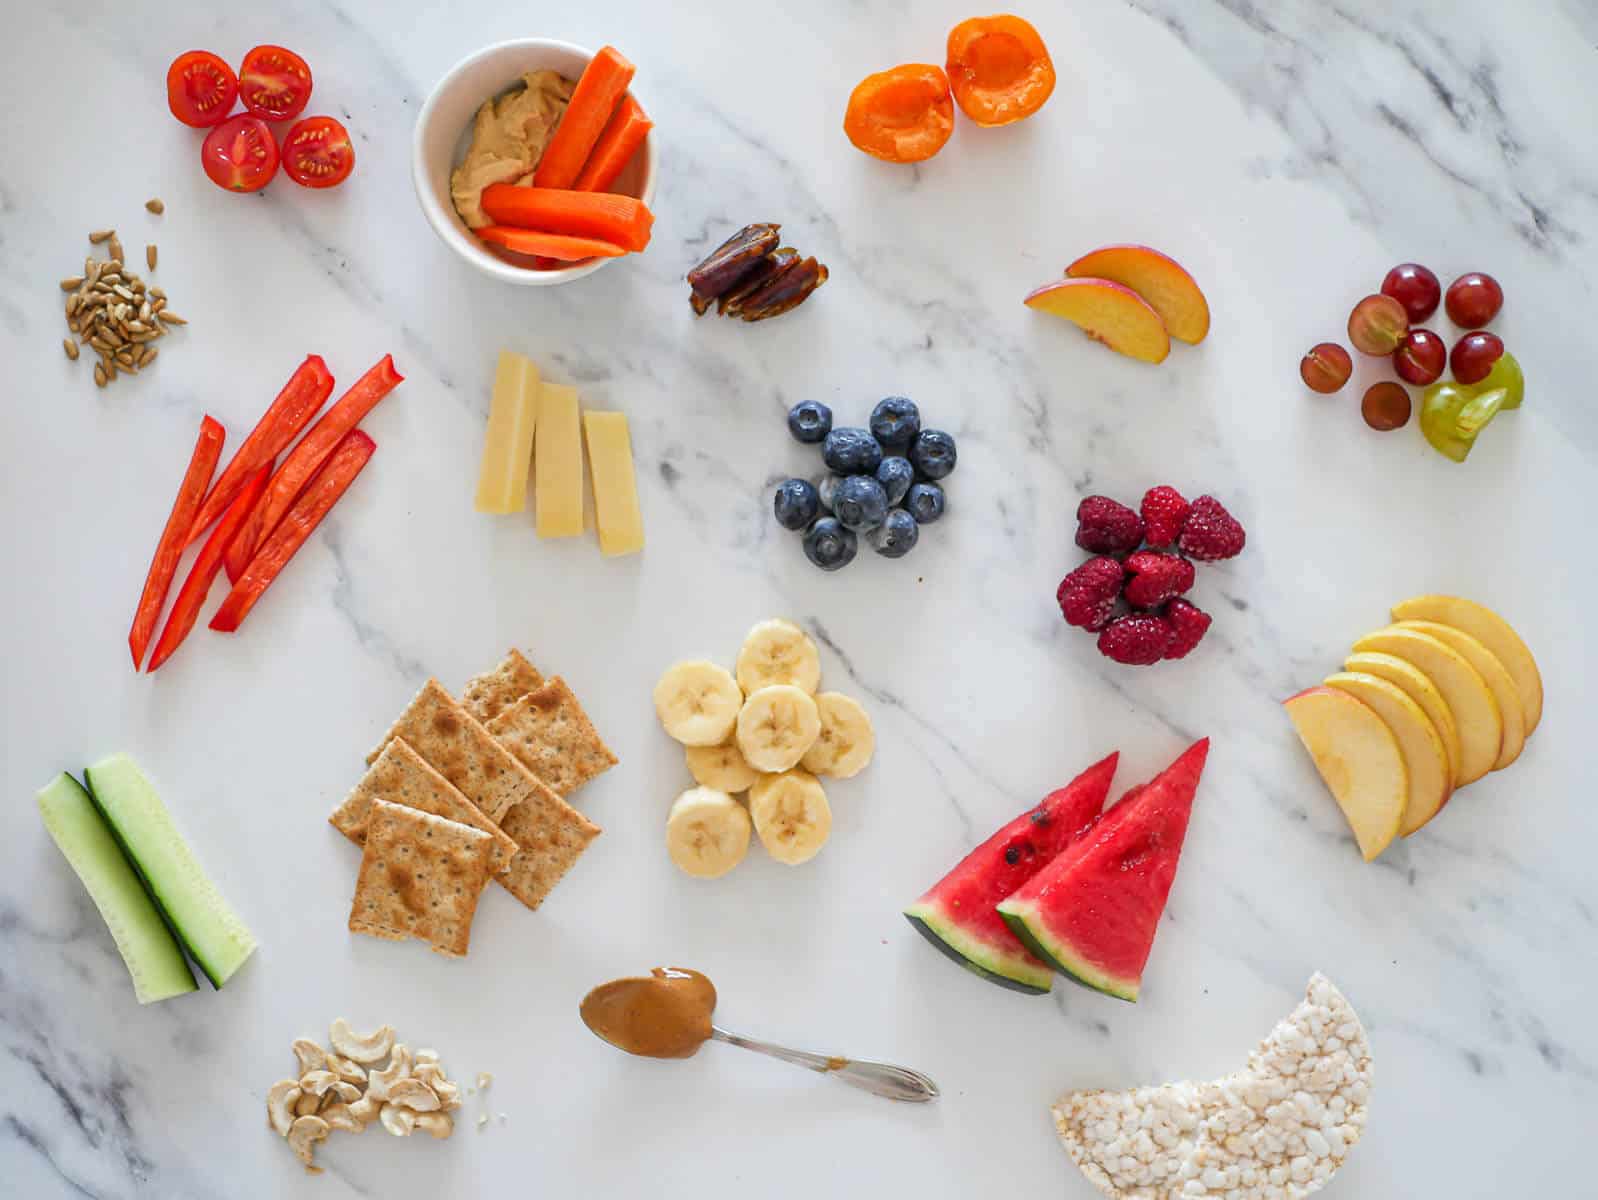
(880, 1079)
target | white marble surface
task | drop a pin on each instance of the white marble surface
(1287, 153)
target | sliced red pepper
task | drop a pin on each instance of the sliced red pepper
(336, 475)
(305, 392)
(202, 464)
(306, 458)
(191, 596)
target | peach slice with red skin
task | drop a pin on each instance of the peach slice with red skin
(1159, 279)
(1107, 312)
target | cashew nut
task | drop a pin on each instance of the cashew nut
(371, 1048)
(308, 1104)
(399, 1067)
(338, 1116)
(345, 1069)
(413, 1094)
(303, 1136)
(427, 1056)
(436, 1123)
(449, 1095)
(311, 1056)
(317, 1082)
(366, 1109)
(398, 1121)
(348, 1093)
(281, 1098)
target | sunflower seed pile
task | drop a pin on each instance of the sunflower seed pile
(110, 310)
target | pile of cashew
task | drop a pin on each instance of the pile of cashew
(359, 1079)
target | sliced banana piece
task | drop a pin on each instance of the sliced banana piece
(697, 703)
(778, 651)
(721, 767)
(707, 833)
(846, 742)
(791, 815)
(776, 726)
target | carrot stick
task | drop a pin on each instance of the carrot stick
(628, 128)
(550, 245)
(619, 219)
(164, 566)
(606, 77)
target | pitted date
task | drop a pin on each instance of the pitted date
(749, 276)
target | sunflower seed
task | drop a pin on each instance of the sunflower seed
(149, 255)
(147, 356)
(116, 250)
(171, 318)
(71, 348)
(155, 206)
(101, 235)
(158, 293)
(99, 375)
(71, 283)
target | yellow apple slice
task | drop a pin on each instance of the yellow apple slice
(1496, 675)
(1108, 313)
(1159, 279)
(1481, 728)
(1359, 761)
(1492, 631)
(1425, 760)
(1418, 686)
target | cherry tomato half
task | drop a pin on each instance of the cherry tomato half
(317, 153)
(240, 154)
(200, 88)
(274, 83)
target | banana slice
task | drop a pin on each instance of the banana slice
(721, 767)
(778, 652)
(846, 741)
(707, 833)
(791, 815)
(776, 726)
(697, 703)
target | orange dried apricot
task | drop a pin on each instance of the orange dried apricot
(999, 68)
(901, 115)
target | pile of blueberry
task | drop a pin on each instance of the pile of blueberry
(884, 482)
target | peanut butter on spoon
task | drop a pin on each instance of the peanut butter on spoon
(663, 1015)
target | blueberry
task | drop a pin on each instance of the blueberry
(924, 502)
(933, 453)
(829, 545)
(851, 452)
(860, 503)
(809, 422)
(896, 475)
(895, 422)
(827, 488)
(896, 536)
(796, 503)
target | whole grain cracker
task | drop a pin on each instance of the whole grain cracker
(491, 693)
(552, 836)
(550, 734)
(420, 877)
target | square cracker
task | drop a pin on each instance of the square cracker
(462, 751)
(552, 836)
(551, 735)
(420, 877)
(491, 693)
(402, 776)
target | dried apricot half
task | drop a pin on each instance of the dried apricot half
(903, 114)
(1000, 69)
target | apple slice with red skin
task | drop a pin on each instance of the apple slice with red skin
(1107, 312)
(1158, 279)
(1359, 761)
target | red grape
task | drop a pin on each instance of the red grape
(1377, 325)
(1416, 288)
(1473, 300)
(1326, 368)
(1385, 406)
(1420, 357)
(1473, 356)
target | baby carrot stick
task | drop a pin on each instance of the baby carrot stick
(619, 219)
(550, 245)
(628, 128)
(606, 77)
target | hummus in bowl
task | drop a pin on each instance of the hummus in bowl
(509, 134)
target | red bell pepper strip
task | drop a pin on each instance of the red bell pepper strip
(340, 470)
(304, 393)
(191, 596)
(304, 460)
(202, 464)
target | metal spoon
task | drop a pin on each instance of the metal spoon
(880, 1079)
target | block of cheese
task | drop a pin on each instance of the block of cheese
(558, 463)
(508, 445)
(610, 460)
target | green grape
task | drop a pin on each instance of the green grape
(1451, 416)
(1506, 374)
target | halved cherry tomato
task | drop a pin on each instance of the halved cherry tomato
(240, 154)
(901, 115)
(200, 88)
(317, 153)
(274, 83)
(999, 68)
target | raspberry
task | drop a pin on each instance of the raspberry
(1104, 526)
(1136, 641)
(1164, 512)
(1156, 578)
(1188, 623)
(1087, 595)
(1211, 532)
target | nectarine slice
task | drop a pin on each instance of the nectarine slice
(1359, 761)
(1425, 760)
(1108, 313)
(1496, 676)
(1492, 631)
(1169, 290)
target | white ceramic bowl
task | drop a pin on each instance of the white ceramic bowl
(443, 131)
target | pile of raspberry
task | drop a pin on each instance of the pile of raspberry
(1131, 593)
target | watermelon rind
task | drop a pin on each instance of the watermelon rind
(1025, 921)
(982, 959)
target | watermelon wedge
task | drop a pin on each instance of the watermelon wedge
(1094, 910)
(958, 915)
